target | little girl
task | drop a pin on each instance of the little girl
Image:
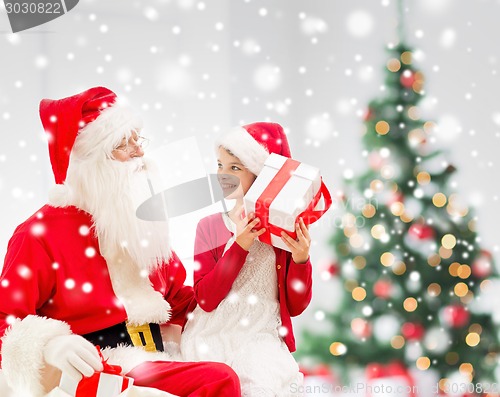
(247, 290)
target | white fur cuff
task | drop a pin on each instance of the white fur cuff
(129, 357)
(22, 352)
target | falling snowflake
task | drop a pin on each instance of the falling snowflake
(298, 285)
(37, 229)
(319, 315)
(313, 25)
(151, 13)
(448, 38)
(283, 331)
(250, 47)
(267, 77)
(319, 127)
(69, 283)
(24, 272)
(90, 252)
(10, 319)
(436, 6)
(252, 299)
(448, 128)
(360, 23)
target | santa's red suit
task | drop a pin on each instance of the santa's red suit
(55, 279)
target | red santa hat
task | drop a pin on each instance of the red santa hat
(253, 143)
(63, 119)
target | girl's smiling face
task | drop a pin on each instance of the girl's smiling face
(235, 179)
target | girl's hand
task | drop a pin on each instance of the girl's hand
(245, 229)
(300, 246)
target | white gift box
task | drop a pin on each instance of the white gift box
(289, 187)
(108, 385)
(134, 391)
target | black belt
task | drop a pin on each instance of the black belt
(147, 336)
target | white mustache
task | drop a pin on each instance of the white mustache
(136, 164)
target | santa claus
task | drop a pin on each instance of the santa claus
(85, 271)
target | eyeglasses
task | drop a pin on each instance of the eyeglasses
(134, 143)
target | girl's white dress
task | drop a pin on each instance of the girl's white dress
(243, 331)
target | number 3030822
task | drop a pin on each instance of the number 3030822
(33, 8)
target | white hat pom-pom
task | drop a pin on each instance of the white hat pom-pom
(60, 196)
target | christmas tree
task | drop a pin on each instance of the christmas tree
(408, 253)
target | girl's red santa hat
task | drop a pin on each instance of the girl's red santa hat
(253, 143)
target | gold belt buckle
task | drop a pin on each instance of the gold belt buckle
(141, 336)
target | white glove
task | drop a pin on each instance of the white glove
(74, 355)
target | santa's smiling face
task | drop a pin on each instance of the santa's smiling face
(108, 178)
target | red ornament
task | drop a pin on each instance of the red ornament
(318, 370)
(323, 370)
(407, 78)
(375, 160)
(395, 198)
(328, 269)
(482, 265)
(341, 196)
(412, 331)
(375, 370)
(421, 232)
(390, 370)
(455, 316)
(368, 115)
(361, 328)
(333, 269)
(383, 289)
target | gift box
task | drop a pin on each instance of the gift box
(320, 381)
(391, 380)
(134, 391)
(108, 383)
(98, 385)
(284, 191)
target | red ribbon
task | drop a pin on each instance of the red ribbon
(269, 194)
(108, 368)
(87, 387)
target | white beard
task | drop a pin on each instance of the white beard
(111, 192)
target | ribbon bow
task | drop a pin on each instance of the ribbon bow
(88, 386)
(108, 368)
